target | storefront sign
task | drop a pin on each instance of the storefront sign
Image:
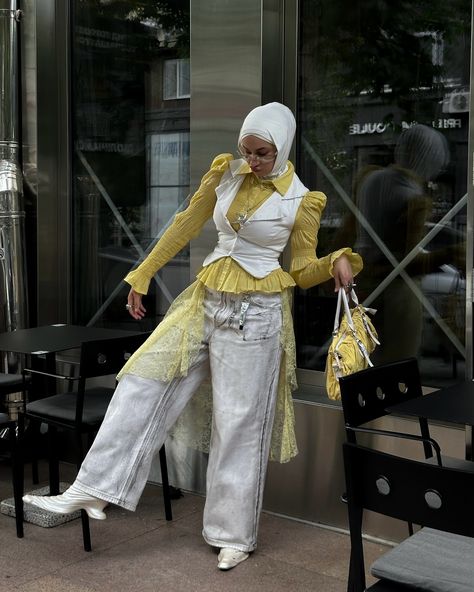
(360, 129)
(449, 123)
(116, 147)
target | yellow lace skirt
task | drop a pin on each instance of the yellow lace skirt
(171, 350)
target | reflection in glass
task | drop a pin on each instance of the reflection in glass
(383, 120)
(130, 124)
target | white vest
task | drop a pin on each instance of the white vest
(260, 241)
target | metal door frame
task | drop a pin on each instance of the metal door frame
(470, 224)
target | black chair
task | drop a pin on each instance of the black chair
(17, 469)
(10, 383)
(440, 498)
(367, 394)
(16, 383)
(82, 410)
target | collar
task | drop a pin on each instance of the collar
(281, 183)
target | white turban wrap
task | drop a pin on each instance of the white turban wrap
(273, 123)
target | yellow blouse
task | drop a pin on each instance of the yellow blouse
(176, 342)
(225, 274)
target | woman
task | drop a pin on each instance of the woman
(395, 204)
(234, 325)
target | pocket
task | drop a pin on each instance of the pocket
(262, 321)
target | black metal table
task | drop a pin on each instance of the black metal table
(453, 404)
(42, 344)
(46, 341)
(50, 339)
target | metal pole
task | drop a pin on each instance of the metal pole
(13, 282)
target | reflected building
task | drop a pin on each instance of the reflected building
(130, 122)
(376, 132)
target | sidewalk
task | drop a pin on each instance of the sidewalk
(142, 552)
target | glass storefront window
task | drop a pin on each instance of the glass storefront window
(383, 107)
(130, 123)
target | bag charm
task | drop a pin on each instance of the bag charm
(354, 339)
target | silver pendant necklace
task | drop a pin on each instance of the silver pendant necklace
(243, 215)
(241, 219)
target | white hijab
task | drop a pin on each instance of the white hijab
(273, 123)
(423, 150)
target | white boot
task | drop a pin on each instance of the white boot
(229, 558)
(71, 500)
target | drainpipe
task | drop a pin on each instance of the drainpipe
(13, 281)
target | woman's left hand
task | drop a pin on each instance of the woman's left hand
(343, 276)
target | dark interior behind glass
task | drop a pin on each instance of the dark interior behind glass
(383, 106)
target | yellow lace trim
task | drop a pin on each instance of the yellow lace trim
(172, 349)
(174, 345)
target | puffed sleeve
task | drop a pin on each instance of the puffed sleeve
(306, 268)
(185, 226)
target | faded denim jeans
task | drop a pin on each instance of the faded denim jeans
(241, 351)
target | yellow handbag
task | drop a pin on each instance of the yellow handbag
(354, 339)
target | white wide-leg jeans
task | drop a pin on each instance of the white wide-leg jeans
(241, 351)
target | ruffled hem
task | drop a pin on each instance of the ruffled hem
(138, 280)
(354, 259)
(225, 275)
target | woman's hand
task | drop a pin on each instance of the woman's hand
(343, 276)
(135, 306)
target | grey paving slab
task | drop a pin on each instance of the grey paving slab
(313, 548)
(183, 562)
(141, 551)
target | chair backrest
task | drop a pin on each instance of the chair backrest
(417, 492)
(10, 383)
(365, 395)
(102, 357)
(414, 491)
